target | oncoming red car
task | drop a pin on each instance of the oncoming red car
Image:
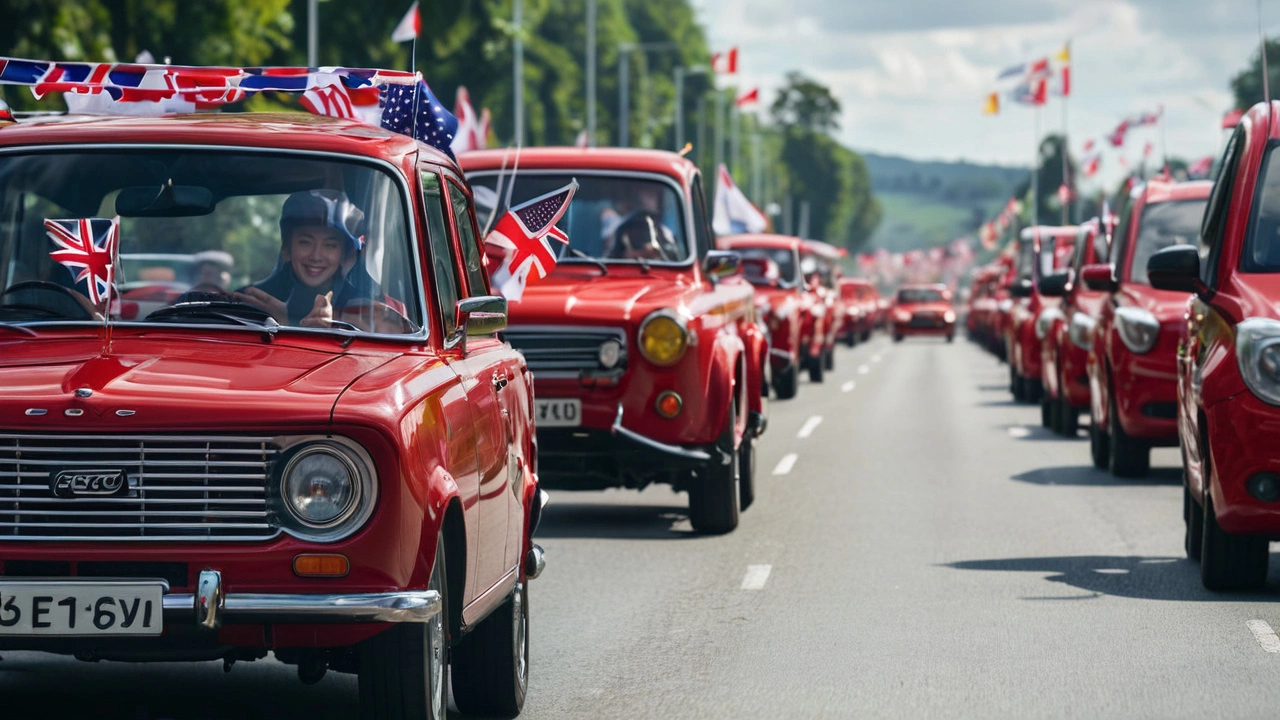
(923, 310)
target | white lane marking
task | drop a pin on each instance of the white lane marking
(756, 577)
(809, 426)
(1265, 636)
(875, 358)
(847, 387)
(1019, 432)
(785, 464)
(863, 369)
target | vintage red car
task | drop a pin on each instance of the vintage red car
(648, 369)
(1068, 333)
(1133, 364)
(981, 306)
(346, 480)
(820, 265)
(1005, 279)
(1228, 378)
(923, 309)
(783, 302)
(1042, 250)
(862, 305)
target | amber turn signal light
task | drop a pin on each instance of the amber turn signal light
(669, 404)
(313, 565)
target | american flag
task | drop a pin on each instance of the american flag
(413, 110)
(526, 230)
(89, 245)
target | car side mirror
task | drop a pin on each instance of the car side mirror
(1177, 268)
(721, 263)
(480, 316)
(1054, 285)
(1099, 277)
(1021, 288)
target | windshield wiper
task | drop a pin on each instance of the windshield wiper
(604, 269)
(220, 310)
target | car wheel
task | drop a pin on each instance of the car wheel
(1193, 518)
(816, 369)
(1130, 457)
(404, 672)
(897, 338)
(866, 335)
(1047, 412)
(1068, 419)
(747, 472)
(1230, 562)
(1099, 445)
(491, 663)
(714, 502)
(851, 339)
(786, 385)
(829, 360)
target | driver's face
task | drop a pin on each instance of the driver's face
(315, 254)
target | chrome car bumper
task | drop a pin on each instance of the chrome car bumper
(212, 607)
(697, 456)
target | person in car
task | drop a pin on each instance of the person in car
(643, 237)
(318, 268)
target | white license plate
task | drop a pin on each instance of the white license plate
(75, 608)
(557, 412)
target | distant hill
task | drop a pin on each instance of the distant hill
(929, 202)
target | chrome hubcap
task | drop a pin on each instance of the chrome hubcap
(435, 654)
(520, 625)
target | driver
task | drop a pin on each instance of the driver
(317, 271)
(642, 237)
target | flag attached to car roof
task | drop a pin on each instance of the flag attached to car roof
(410, 25)
(525, 232)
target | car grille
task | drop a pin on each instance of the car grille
(179, 488)
(926, 320)
(564, 352)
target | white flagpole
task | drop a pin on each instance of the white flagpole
(1035, 172)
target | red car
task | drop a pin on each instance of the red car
(1068, 336)
(820, 264)
(334, 464)
(1003, 301)
(1041, 251)
(1132, 366)
(648, 368)
(782, 301)
(862, 304)
(1228, 377)
(923, 310)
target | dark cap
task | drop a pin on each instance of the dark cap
(325, 208)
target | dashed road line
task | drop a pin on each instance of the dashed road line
(847, 387)
(809, 426)
(863, 369)
(785, 464)
(756, 577)
(1263, 633)
(1018, 431)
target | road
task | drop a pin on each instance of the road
(922, 550)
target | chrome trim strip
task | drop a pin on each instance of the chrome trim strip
(694, 455)
(416, 606)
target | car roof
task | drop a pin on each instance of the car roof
(555, 158)
(825, 249)
(759, 240)
(1162, 191)
(283, 130)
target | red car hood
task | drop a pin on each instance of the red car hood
(590, 298)
(1165, 305)
(172, 384)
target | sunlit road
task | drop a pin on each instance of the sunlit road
(924, 550)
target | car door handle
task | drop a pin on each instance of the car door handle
(500, 380)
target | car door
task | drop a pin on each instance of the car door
(492, 365)
(447, 287)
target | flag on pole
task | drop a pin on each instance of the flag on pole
(1013, 71)
(1039, 70)
(473, 130)
(992, 106)
(1034, 92)
(1063, 59)
(1116, 138)
(725, 63)
(410, 25)
(734, 213)
(88, 247)
(525, 231)
(1089, 164)
(748, 99)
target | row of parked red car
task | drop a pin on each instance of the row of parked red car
(1164, 325)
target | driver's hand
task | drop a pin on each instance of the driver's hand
(321, 315)
(265, 302)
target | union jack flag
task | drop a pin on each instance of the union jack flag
(526, 230)
(88, 245)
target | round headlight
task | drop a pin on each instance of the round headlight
(949, 316)
(610, 354)
(321, 486)
(663, 339)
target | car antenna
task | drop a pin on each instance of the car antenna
(1266, 76)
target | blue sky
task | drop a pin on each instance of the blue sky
(911, 74)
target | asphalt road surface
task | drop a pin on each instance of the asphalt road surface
(919, 547)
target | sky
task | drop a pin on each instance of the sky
(912, 75)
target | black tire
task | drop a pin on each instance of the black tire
(1193, 518)
(1068, 419)
(897, 338)
(1130, 457)
(951, 337)
(1032, 390)
(866, 335)
(404, 672)
(714, 501)
(1099, 445)
(747, 472)
(1048, 413)
(787, 384)
(829, 360)
(491, 663)
(1231, 563)
(815, 369)
(851, 339)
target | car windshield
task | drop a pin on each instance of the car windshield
(784, 258)
(240, 238)
(614, 219)
(1163, 225)
(1263, 253)
(908, 296)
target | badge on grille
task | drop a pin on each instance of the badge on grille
(87, 483)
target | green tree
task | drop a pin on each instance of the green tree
(806, 103)
(1247, 84)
